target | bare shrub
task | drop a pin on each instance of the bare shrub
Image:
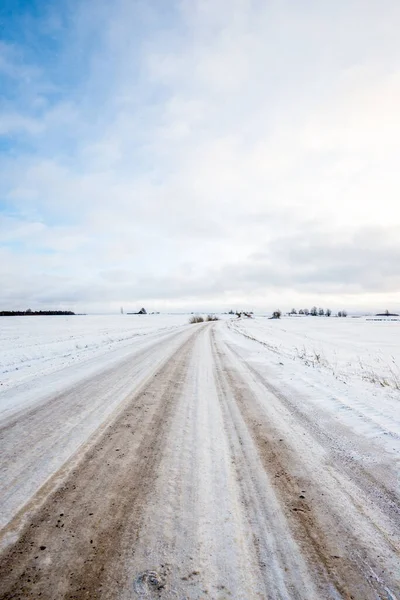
(212, 318)
(196, 319)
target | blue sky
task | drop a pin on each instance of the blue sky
(199, 154)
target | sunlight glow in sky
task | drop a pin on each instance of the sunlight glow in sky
(199, 154)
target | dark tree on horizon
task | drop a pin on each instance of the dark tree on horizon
(35, 313)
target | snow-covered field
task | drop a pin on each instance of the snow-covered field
(70, 347)
(31, 347)
(350, 348)
(144, 457)
(356, 359)
(349, 367)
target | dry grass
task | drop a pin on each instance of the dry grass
(196, 319)
(390, 379)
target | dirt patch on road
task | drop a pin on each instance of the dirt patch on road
(341, 565)
(71, 548)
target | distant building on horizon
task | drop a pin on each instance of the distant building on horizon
(142, 311)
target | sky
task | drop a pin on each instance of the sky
(199, 154)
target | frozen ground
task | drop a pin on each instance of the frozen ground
(32, 347)
(238, 459)
(68, 348)
(350, 348)
(349, 367)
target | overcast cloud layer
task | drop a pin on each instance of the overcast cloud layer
(200, 154)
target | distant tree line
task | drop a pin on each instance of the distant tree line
(314, 311)
(29, 312)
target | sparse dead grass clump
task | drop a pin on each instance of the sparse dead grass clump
(212, 318)
(313, 358)
(196, 319)
(390, 377)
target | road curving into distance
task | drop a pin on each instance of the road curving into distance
(203, 481)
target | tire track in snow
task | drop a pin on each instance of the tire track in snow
(68, 547)
(36, 443)
(378, 486)
(206, 485)
(211, 528)
(344, 561)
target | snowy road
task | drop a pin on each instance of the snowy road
(183, 470)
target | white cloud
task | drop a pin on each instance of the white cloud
(202, 139)
(13, 123)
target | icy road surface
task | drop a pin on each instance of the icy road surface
(203, 461)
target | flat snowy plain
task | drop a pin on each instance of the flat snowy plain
(143, 457)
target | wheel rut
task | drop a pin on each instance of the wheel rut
(341, 565)
(70, 548)
(204, 485)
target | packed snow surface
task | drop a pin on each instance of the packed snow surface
(348, 367)
(244, 458)
(360, 348)
(31, 347)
